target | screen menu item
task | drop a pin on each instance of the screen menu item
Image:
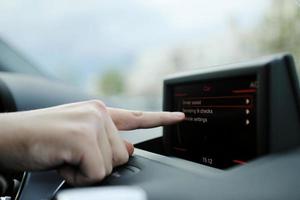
(220, 125)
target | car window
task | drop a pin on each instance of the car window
(12, 60)
(122, 50)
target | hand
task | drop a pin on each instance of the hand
(80, 140)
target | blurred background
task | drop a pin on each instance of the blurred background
(122, 50)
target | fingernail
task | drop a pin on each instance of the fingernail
(130, 148)
(179, 115)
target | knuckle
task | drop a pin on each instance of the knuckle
(92, 115)
(100, 105)
(96, 109)
(138, 116)
(96, 114)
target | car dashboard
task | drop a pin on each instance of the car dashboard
(240, 138)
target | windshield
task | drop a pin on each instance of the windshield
(122, 50)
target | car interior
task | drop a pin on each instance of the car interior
(240, 138)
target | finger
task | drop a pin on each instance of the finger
(129, 120)
(104, 145)
(120, 151)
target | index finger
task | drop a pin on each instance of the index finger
(129, 120)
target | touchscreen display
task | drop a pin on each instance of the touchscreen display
(220, 125)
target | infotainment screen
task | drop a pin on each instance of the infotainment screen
(234, 113)
(220, 127)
